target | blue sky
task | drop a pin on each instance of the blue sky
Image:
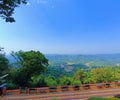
(64, 27)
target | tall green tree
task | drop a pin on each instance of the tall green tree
(7, 8)
(4, 63)
(32, 63)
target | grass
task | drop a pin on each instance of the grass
(99, 98)
(54, 99)
(96, 98)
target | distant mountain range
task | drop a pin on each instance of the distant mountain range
(71, 62)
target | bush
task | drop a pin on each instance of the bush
(37, 81)
(12, 86)
(76, 82)
(50, 81)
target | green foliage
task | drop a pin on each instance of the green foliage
(65, 80)
(97, 98)
(101, 74)
(32, 72)
(42, 80)
(13, 74)
(76, 82)
(32, 63)
(7, 8)
(56, 72)
(55, 99)
(31, 59)
(4, 63)
(12, 86)
(50, 81)
(80, 75)
(112, 98)
(85, 61)
(37, 81)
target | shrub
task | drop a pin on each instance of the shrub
(12, 86)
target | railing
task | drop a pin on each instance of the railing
(64, 88)
(16, 91)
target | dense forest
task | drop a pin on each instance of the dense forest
(95, 60)
(33, 69)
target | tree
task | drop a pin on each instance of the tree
(7, 8)
(80, 75)
(13, 73)
(101, 74)
(97, 75)
(4, 63)
(32, 63)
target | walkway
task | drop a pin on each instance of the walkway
(68, 95)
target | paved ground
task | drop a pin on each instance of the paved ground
(70, 95)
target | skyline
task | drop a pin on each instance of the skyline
(64, 27)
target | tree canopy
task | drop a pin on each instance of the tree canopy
(7, 8)
(31, 63)
(3, 63)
